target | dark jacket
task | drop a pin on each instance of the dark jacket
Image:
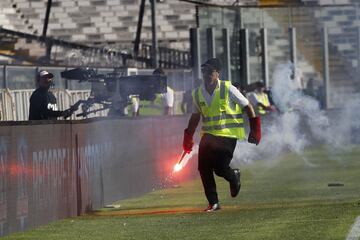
(43, 105)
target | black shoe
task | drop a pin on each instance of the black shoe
(212, 207)
(235, 185)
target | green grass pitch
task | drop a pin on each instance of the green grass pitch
(286, 198)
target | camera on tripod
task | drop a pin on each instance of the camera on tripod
(113, 90)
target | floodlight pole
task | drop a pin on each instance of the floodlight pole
(46, 23)
(292, 38)
(227, 54)
(139, 26)
(195, 55)
(326, 70)
(244, 57)
(47, 15)
(264, 56)
(210, 39)
(154, 48)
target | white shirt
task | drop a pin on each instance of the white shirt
(168, 98)
(254, 100)
(135, 102)
(235, 96)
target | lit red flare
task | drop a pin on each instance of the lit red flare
(178, 165)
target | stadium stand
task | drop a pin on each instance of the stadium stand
(278, 39)
(105, 22)
(343, 28)
(113, 23)
(278, 44)
(329, 2)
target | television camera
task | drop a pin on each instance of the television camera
(114, 90)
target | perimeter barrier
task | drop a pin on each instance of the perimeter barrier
(51, 170)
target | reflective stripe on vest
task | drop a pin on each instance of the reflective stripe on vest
(222, 117)
(219, 118)
(220, 127)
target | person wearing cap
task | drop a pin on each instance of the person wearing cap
(219, 104)
(43, 102)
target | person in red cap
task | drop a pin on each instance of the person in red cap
(43, 102)
(219, 104)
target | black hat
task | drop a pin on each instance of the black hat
(213, 63)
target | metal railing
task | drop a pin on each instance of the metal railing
(6, 105)
(168, 58)
(59, 52)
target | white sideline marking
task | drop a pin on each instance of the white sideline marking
(354, 233)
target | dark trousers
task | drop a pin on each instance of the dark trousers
(215, 154)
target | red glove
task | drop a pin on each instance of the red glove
(255, 130)
(188, 141)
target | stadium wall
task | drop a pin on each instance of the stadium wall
(54, 170)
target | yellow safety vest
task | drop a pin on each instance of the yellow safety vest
(153, 108)
(219, 119)
(262, 98)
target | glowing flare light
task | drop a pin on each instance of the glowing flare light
(177, 167)
(184, 159)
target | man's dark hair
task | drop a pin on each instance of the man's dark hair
(260, 84)
(213, 63)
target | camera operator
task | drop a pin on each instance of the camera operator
(43, 102)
